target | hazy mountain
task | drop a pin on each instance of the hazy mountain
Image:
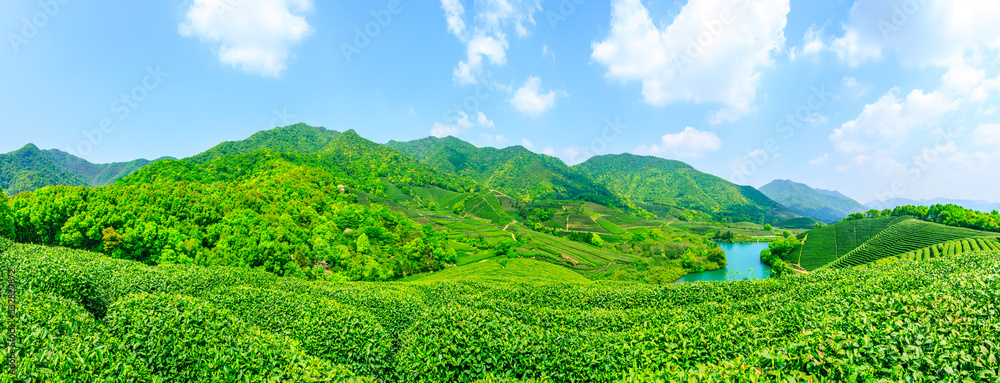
(667, 182)
(983, 206)
(30, 168)
(824, 205)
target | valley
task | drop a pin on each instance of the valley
(300, 245)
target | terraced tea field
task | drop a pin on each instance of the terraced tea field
(951, 248)
(860, 242)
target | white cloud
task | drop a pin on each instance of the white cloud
(855, 88)
(527, 144)
(712, 52)
(546, 53)
(453, 14)
(820, 160)
(689, 143)
(497, 139)
(812, 44)
(918, 32)
(571, 154)
(254, 35)
(987, 134)
(486, 123)
(531, 100)
(495, 50)
(441, 130)
(462, 123)
(889, 121)
(549, 151)
(486, 34)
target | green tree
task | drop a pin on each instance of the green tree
(781, 268)
(506, 248)
(768, 227)
(363, 244)
(6, 217)
(596, 240)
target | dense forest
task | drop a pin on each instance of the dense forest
(284, 213)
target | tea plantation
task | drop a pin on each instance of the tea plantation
(858, 242)
(85, 317)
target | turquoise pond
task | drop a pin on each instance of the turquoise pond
(744, 263)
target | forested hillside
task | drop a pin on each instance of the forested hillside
(299, 138)
(514, 170)
(281, 212)
(823, 205)
(653, 180)
(30, 168)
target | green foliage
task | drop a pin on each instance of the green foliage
(514, 170)
(505, 248)
(824, 205)
(672, 183)
(29, 169)
(6, 218)
(896, 321)
(780, 268)
(859, 241)
(259, 210)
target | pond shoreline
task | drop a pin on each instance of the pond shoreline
(744, 263)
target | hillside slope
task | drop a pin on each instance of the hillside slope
(857, 242)
(82, 314)
(30, 168)
(824, 205)
(673, 183)
(514, 170)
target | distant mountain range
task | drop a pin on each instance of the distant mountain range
(983, 206)
(626, 181)
(30, 168)
(824, 205)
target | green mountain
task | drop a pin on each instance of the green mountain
(30, 168)
(514, 170)
(824, 205)
(299, 138)
(657, 181)
(370, 165)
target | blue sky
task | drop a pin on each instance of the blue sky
(875, 98)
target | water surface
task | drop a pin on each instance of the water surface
(744, 263)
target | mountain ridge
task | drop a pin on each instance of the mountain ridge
(829, 206)
(31, 168)
(674, 183)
